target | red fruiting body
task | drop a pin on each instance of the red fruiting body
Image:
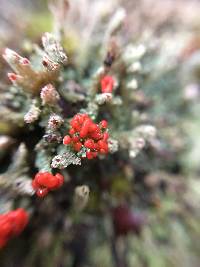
(12, 224)
(96, 147)
(77, 146)
(93, 127)
(94, 154)
(87, 135)
(75, 138)
(72, 131)
(12, 77)
(85, 128)
(89, 155)
(60, 179)
(66, 140)
(104, 124)
(21, 219)
(105, 136)
(45, 182)
(76, 125)
(103, 147)
(96, 135)
(107, 83)
(89, 143)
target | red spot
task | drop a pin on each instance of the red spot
(105, 136)
(77, 146)
(89, 143)
(72, 131)
(12, 77)
(45, 63)
(89, 155)
(107, 83)
(75, 124)
(66, 140)
(75, 138)
(45, 181)
(85, 128)
(12, 224)
(104, 124)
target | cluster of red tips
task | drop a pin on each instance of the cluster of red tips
(45, 182)
(107, 84)
(12, 224)
(84, 133)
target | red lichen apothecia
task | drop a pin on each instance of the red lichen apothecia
(84, 133)
(45, 182)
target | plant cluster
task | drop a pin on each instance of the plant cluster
(92, 143)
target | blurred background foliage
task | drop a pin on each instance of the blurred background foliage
(162, 183)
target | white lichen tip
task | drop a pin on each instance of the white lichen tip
(134, 52)
(33, 113)
(53, 48)
(133, 84)
(103, 98)
(117, 20)
(113, 145)
(135, 67)
(9, 53)
(81, 196)
(136, 145)
(55, 121)
(49, 95)
(147, 131)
